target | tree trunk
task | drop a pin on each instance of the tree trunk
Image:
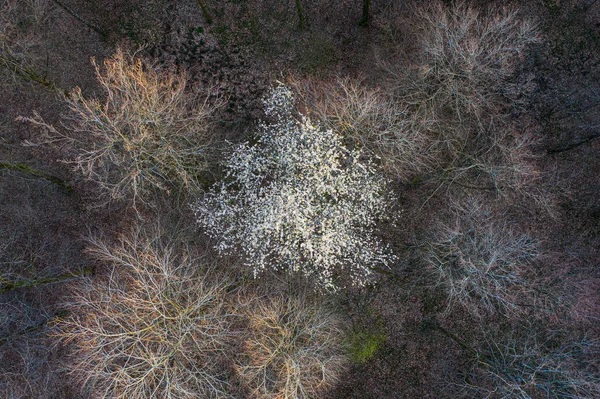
(90, 25)
(34, 172)
(207, 16)
(300, 11)
(364, 20)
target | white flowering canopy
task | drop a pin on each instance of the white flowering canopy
(299, 201)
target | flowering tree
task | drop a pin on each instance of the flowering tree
(298, 201)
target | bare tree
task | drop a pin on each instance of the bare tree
(535, 366)
(481, 262)
(155, 326)
(292, 348)
(149, 133)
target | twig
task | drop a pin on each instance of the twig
(28, 73)
(389, 274)
(589, 6)
(488, 188)
(29, 170)
(45, 280)
(56, 317)
(364, 19)
(435, 325)
(300, 11)
(573, 145)
(207, 16)
(93, 27)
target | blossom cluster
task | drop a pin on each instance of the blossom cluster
(299, 201)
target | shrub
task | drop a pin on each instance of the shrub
(365, 344)
(292, 348)
(481, 262)
(298, 201)
(153, 327)
(149, 132)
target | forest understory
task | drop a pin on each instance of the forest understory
(277, 199)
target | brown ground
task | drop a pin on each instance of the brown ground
(248, 44)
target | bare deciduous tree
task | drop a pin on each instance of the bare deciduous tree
(155, 326)
(293, 348)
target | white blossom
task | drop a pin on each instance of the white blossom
(298, 201)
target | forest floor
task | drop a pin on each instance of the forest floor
(421, 347)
